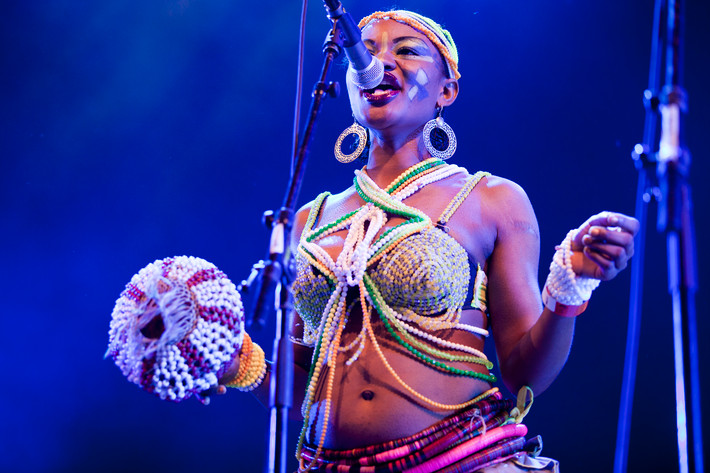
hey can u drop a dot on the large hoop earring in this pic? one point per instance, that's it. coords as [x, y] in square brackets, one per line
[444, 143]
[361, 133]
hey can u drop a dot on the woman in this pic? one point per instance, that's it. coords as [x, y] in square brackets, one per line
[401, 277]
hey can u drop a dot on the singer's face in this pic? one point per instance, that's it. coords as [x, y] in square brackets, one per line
[413, 85]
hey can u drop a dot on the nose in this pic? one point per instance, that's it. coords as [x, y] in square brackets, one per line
[387, 58]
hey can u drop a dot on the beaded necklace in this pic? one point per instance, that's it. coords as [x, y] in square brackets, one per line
[363, 248]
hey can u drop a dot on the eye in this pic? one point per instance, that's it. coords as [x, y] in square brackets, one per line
[407, 51]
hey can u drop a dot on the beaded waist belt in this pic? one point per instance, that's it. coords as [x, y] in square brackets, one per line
[482, 434]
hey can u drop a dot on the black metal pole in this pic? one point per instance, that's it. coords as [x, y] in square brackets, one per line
[281, 386]
[675, 219]
[276, 276]
[644, 161]
[634, 323]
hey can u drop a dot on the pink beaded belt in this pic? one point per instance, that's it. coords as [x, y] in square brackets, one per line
[472, 439]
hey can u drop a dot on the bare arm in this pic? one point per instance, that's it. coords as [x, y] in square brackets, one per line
[532, 343]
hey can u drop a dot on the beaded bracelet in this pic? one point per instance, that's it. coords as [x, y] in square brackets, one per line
[252, 367]
[247, 348]
[565, 293]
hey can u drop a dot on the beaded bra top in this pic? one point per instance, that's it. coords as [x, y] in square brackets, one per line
[426, 272]
[414, 275]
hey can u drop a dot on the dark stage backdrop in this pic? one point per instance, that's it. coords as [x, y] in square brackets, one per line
[133, 131]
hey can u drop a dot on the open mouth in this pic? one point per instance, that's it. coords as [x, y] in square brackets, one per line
[386, 90]
[381, 89]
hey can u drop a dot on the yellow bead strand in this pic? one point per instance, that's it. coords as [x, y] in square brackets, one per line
[412, 391]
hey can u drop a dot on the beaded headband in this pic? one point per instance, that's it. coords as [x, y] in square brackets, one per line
[440, 37]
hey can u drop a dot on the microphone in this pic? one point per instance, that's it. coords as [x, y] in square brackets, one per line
[366, 71]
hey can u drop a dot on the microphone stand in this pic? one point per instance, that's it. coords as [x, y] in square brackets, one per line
[274, 284]
[672, 191]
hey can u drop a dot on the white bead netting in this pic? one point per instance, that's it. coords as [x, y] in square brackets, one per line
[176, 327]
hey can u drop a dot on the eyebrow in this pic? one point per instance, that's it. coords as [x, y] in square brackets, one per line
[401, 39]
[407, 38]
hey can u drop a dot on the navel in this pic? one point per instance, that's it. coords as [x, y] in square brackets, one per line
[367, 395]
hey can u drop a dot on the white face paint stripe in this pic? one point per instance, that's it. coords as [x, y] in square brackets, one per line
[422, 78]
[421, 58]
[412, 92]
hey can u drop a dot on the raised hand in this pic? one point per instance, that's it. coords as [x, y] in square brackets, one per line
[603, 245]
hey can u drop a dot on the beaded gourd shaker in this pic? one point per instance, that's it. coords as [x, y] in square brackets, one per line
[176, 327]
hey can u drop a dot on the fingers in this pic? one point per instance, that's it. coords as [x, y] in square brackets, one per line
[612, 219]
[204, 396]
[609, 251]
[607, 241]
[610, 259]
[603, 268]
[622, 224]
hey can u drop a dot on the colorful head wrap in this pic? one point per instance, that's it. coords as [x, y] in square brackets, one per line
[440, 37]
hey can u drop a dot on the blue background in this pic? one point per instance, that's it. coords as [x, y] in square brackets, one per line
[133, 131]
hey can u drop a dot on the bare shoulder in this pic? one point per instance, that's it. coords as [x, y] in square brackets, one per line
[331, 202]
[501, 190]
[508, 205]
[299, 223]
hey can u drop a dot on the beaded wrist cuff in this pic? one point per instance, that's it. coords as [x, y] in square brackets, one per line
[563, 286]
[252, 367]
[562, 309]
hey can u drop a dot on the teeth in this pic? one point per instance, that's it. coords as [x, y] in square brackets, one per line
[378, 92]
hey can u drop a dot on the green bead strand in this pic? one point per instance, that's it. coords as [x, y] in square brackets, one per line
[376, 302]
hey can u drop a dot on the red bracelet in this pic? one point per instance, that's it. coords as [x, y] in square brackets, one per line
[561, 309]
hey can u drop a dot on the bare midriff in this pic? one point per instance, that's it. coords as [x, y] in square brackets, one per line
[369, 405]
